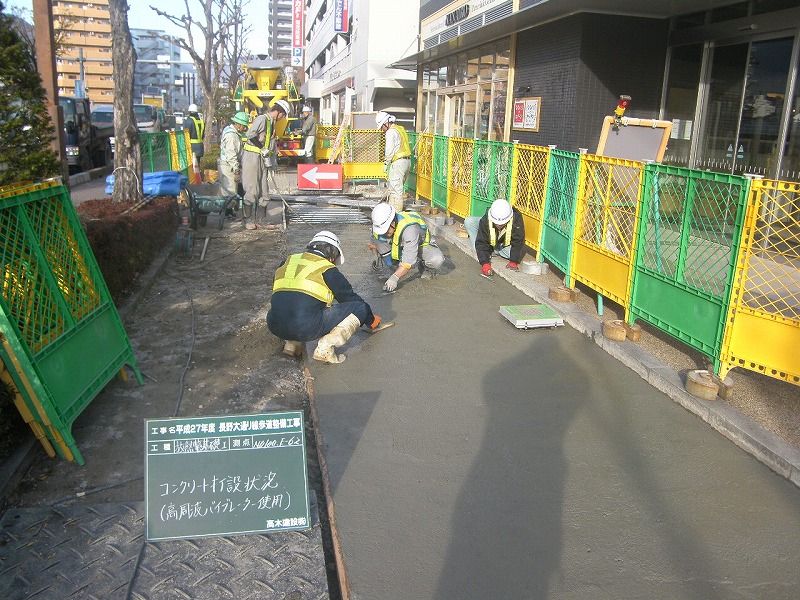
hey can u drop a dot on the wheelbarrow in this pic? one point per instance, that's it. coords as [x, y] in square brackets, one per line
[205, 201]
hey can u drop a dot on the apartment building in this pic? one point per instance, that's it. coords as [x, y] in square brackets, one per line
[348, 47]
[85, 58]
[158, 70]
[279, 30]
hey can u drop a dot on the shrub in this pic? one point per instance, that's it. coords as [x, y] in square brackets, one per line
[210, 158]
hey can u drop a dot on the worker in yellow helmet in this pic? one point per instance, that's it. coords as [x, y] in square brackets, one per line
[302, 304]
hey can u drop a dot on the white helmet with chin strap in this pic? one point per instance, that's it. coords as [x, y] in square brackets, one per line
[329, 239]
[382, 118]
[500, 212]
[382, 217]
[282, 105]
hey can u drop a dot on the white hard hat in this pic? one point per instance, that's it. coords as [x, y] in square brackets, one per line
[193, 107]
[282, 105]
[329, 237]
[381, 118]
[500, 212]
[306, 109]
[382, 217]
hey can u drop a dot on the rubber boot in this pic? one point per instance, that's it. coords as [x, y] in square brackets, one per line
[247, 215]
[293, 348]
[338, 336]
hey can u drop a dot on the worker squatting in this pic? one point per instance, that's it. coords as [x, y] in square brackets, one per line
[312, 299]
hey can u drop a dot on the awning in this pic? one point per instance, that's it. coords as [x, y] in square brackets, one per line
[547, 11]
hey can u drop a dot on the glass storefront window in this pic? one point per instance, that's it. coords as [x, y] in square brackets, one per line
[487, 66]
[499, 110]
[473, 66]
[681, 101]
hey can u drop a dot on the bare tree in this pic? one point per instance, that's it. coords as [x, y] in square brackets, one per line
[61, 29]
[219, 20]
[127, 154]
[234, 51]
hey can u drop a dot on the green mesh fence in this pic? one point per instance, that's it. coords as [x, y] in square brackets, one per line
[689, 234]
[439, 175]
[491, 174]
[62, 336]
[155, 149]
[559, 220]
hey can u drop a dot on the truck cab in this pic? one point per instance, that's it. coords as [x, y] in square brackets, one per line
[147, 120]
[87, 145]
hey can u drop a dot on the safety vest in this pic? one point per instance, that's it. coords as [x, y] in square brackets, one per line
[199, 127]
[267, 129]
[303, 273]
[493, 233]
[404, 219]
[405, 147]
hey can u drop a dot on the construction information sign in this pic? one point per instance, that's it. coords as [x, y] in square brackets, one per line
[225, 475]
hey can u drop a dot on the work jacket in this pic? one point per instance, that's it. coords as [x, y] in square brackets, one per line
[487, 240]
[404, 221]
[403, 149]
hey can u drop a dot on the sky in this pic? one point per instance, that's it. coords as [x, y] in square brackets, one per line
[140, 16]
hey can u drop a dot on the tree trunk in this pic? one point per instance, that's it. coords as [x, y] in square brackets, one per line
[127, 154]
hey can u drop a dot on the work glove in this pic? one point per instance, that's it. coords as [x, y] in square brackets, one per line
[512, 265]
[391, 283]
[486, 270]
[376, 322]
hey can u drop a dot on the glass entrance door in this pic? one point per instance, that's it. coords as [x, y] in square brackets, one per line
[743, 107]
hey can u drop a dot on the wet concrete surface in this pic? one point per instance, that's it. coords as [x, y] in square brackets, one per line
[468, 459]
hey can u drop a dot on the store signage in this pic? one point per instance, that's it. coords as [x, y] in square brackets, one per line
[341, 16]
[455, 13]
[297, 32]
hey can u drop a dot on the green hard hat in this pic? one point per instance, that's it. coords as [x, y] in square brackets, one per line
[240, 118]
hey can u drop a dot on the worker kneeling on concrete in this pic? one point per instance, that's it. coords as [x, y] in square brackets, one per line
[500, 231]
[302, 310]
[402, 240]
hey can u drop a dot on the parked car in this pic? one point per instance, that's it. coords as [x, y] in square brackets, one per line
[103, 118]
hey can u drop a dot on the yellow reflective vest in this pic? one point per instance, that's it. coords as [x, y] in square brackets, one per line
[199, 128]
[404, 219]
[405, 147]
[267, 136]
[507, 237]
[303, 273]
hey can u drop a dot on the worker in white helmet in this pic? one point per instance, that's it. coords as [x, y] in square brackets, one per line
[402, 240]
[259, 156]
[309, 130]
[302, 304]
[397, 157]
[500, 231]
[196, 127]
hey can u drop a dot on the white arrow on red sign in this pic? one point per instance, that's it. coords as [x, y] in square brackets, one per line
[313, 175]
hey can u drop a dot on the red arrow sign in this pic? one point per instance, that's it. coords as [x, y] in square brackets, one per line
[319, 177]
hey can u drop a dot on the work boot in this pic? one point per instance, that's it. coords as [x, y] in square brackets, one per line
[338, 336]
[247, 214]
[293, 348]
[424, 272]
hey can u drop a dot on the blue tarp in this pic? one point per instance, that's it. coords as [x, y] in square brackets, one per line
[160, 183]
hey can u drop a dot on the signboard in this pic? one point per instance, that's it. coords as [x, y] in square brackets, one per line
[455, 13]
[634, 139]
[297, 32]
[319, 177]
[225, 475]
[341, 17]
[526, 113]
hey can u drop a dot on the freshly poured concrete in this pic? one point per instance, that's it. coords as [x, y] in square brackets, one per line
[471, 460]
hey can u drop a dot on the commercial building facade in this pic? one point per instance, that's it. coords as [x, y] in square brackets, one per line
[724, 73]
[348, 47]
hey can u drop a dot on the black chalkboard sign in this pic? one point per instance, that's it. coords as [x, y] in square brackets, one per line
[634, 139]
[225, 475]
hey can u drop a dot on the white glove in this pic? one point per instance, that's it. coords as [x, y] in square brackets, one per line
[391, 283]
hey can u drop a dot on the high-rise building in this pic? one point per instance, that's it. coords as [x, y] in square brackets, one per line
[83, 62]
[157, 68]
[279, 30]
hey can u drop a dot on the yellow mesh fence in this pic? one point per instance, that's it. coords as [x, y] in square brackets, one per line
[529, 188]
[362, 154]
[765, 300]
[326, 136]
[460, 180]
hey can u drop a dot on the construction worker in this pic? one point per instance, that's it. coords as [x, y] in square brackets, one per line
[500, 231]
[258, 157]
[402, 240]
[302, 305]
[230, 154]
[397, 157]
[196, 127]
[309, 130]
